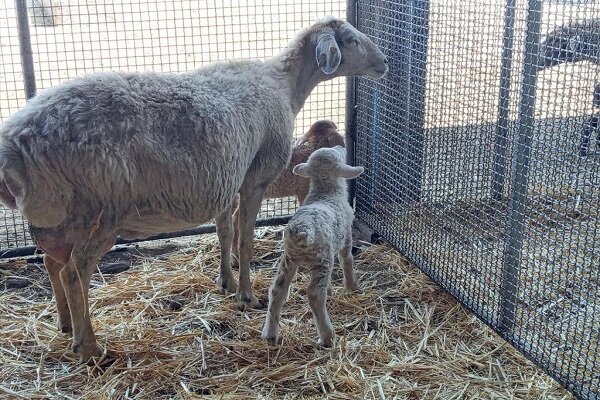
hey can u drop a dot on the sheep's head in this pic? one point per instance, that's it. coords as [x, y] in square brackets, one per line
[323, 133]
[570, 43]
[341, 50]
[328, 163]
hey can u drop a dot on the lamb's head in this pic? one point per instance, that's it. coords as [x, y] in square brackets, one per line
[328, 163]
[341, 50]
[323, 133]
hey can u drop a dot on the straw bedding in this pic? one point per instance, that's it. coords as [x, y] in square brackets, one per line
[170, 334]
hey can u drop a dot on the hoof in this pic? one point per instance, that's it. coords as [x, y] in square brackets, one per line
[88, 352]
[226, 285]
[271, 340]
[248, 301]
[269, 335]
[325, 342]
[66, 329]
[353, 288]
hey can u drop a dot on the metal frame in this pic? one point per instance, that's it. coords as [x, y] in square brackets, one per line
[514, 164]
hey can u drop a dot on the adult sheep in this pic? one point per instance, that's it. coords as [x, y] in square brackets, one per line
[134, 154]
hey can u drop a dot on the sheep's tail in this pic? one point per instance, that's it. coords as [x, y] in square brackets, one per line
[301, 234]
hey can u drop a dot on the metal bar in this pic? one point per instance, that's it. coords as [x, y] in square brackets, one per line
[417, 59]
[500, 144]
[25, 46]
[520, 172]
[203, 229]
[351, 17]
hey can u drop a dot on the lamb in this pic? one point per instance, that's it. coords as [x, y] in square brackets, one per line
[132, 155]
[322, 133]
[321, 227]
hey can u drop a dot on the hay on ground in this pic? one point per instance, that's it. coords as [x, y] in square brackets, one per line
[172, 335]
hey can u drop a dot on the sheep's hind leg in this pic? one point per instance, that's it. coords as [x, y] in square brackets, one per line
[226, 281]
[53, 268]
[286, 271]
[250, 201]
[317, 299]
[75, 278]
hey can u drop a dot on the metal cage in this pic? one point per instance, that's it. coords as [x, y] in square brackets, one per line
[482, 163]
[481, 145]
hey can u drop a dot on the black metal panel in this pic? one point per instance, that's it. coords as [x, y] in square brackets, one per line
[482, 163]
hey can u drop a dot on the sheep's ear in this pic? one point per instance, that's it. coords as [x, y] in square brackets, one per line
[301, 169]
[328, 54]
[348, 172]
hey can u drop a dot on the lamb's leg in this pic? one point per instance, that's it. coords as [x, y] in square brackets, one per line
[53, 268]
[225, 282]
[317, 299]
[347, 262]
[250, 201]
[278, 292]
[75, 278]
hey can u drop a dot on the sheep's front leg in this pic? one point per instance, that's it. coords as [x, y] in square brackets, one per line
[236, 231]
[347, 262]
[226, 281]
[53, 268]
[278, 292]
[75, 278]
[317, 299]
[250, 201]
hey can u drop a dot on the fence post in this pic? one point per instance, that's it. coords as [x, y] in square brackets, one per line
[351, 17]
[520, 172]
[417, 75]
[500, 148]
[25, 48]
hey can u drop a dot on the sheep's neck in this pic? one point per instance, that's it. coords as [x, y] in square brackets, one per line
[305, 79]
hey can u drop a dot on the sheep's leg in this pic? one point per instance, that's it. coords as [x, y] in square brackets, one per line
[278, 292]
[347, 262]
[226, 281]
[317, 299]
[75, 278]
[250, 201]
[236, 232]
[53, 268]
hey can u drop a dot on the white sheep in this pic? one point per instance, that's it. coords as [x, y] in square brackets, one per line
[321, 134]
[135, 154]
[321, 228]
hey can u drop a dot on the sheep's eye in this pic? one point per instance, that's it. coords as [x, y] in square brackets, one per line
[351, 41]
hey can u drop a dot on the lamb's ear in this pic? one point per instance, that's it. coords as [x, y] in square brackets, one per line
[348, 172]
[302, 170]
[328, 53]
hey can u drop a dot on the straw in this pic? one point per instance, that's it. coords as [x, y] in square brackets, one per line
[170, 334]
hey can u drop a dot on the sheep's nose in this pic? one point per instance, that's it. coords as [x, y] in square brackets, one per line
[385, 60]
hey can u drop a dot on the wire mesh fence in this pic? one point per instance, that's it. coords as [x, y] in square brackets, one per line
[483, 164]
[70, 38]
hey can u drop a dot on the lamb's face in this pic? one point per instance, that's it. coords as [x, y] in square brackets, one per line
[341, 50]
